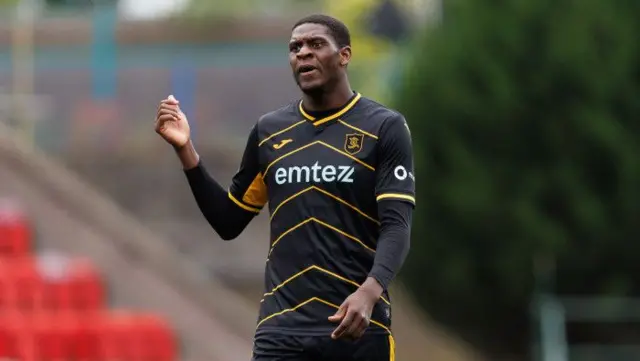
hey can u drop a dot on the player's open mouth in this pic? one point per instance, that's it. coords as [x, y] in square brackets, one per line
[306, 69]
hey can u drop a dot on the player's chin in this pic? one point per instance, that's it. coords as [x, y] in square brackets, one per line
[309, 84]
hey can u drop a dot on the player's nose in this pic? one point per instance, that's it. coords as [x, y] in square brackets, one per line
[304, 52]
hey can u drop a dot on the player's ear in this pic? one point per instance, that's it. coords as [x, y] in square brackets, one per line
[345, 55]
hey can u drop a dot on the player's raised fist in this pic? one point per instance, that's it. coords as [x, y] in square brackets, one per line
[172, 124]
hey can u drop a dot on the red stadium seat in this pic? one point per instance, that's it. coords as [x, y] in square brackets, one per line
[21, 287]
[9, 340]
[51, 335]
[123, 336]
[137, 337]
[86, 340]
[15, 341]
[15, 233]
[48, 336]
[116, 339]
[87, 287]
[6, 291]
[156, 337]
[29, 285]
[52, 308]
[78, 287]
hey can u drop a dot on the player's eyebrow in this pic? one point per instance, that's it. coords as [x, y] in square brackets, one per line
[307, 38]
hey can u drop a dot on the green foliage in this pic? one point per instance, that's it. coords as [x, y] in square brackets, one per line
[525, 116]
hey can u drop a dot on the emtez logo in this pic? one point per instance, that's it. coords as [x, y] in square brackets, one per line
[316, 173]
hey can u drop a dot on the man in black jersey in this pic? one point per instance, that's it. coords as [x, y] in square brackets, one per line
[336, 170]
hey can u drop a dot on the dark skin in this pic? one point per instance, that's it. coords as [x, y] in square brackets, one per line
[320, 69]
[325, 87]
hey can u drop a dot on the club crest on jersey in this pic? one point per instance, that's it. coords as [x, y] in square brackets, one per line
[353, 143]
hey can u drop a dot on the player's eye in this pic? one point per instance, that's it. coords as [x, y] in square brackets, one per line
[295, 47]
[316, 44]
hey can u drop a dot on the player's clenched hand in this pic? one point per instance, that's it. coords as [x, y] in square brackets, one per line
[171, 123]
[354, 315]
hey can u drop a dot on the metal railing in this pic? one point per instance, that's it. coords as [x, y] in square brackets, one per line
[555, 313]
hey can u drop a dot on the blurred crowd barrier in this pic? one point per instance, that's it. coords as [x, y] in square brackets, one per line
[94, 88]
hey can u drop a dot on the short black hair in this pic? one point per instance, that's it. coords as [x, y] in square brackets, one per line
[337, 29]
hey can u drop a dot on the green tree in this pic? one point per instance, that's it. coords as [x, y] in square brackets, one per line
[526, 120]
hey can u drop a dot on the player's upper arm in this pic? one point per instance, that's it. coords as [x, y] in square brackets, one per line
[395, 178]
[248, 190]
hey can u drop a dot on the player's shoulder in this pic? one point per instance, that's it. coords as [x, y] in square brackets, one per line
[377, 117]
[378, 112]
[278, 120]
[288, 113]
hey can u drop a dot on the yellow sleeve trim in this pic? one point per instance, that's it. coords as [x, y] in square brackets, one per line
[396, 196]
[392, 349]
[243, 206]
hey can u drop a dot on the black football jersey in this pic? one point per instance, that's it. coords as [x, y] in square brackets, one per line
[322, 180]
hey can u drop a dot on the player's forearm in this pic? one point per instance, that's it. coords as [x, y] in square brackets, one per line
[372, 287]
[188, 156]
[222, 214]
[393, 242]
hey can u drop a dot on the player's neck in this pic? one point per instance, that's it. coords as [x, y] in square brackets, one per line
[327, 100]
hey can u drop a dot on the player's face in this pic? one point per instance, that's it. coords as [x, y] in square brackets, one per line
[315, 58]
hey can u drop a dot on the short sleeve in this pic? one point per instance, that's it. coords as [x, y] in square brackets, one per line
[395, 173]
[248, 189]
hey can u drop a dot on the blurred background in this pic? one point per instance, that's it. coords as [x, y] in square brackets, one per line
[525, 116]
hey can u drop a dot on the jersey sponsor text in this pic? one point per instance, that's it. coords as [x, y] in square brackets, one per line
[316, 173]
